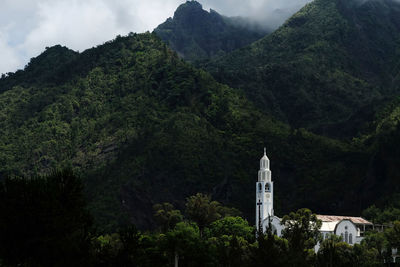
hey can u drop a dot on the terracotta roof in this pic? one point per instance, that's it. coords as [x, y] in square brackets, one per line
[331, 218]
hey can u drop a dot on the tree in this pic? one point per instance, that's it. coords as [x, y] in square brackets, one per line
[231, 226]
[129, 247]
[334, 252]
[185, 245]
[392, 235]
[44, 221]
[229, 240]
[367, 257]
[201, 210]
[106, 249]
[129, 254]
[302, 232]
[229, 250]
[166, 216]
[377, 241]
[270, 249]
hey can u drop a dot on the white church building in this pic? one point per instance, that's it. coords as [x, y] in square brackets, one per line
[351, 229]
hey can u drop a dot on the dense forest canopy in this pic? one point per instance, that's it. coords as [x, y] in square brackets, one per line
[103, 152]
[134, 119]
[141, 126]
[53, 228]
[328, 69]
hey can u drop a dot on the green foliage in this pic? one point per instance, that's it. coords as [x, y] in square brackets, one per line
[129, 247]
[324, 68]
[392, 235]
[231, 226]
[229, 241]
[334, 252]
[133, 119]
[376, 215]
[201, 210]
[302, 232]
[185, 243]
[270, 249]
[166, 216]
[143, 127]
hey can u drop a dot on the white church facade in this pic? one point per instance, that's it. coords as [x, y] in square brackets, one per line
[351, 229]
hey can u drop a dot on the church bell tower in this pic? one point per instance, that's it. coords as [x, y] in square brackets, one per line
[264, 192]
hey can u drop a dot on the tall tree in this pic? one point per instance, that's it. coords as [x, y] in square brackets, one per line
[302, 232]
[44, 221]
[270, 249]
[230, 240]
[334, 252]
[166, 216]
[185, 245]
[201, 210]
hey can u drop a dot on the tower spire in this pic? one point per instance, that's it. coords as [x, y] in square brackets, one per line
[264, 192]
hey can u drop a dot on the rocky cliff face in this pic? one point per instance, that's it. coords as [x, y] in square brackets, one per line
[196, 34]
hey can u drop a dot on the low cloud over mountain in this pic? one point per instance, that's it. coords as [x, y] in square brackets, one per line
[27, 27]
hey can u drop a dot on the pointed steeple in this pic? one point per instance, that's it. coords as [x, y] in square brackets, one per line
[264, 192]
[264, 162]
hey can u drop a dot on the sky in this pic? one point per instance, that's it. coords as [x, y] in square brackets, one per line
[27, 27]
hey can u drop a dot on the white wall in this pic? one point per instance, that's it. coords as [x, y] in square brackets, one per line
[347, 226]
[276, 224]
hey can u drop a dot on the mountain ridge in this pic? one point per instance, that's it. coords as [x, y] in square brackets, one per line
[196, 34]
[142, 126]
[134, 119]
[306, 73]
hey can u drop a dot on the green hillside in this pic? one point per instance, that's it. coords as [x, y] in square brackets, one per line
[197, 35]
[143, 127]
[328, 68]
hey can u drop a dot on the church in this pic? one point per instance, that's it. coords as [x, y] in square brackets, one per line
[351, 229]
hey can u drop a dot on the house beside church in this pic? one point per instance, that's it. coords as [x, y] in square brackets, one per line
[351, 229]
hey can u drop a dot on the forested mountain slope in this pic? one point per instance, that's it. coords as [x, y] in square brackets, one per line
[196, 34]
[328, 68]
[143, 127]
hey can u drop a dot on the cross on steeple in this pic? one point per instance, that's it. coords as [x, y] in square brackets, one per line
[259, 214]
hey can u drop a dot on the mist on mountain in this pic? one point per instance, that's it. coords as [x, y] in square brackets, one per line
[196, 34]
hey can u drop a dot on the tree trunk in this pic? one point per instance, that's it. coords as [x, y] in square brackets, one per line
[176, 259]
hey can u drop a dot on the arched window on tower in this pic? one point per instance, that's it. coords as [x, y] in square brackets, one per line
[350, 238]
[342, 236]
[259, 187]
[346, 237]
[267, 187]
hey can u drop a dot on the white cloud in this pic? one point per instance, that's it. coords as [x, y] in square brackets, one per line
[271, 13]
[29, 26]
[74, 24]
[10, 60]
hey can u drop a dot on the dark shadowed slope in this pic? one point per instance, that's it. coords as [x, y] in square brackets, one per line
[326, 69]
[142, 127]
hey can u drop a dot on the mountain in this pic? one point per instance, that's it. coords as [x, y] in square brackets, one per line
[328, 69]
[141, 127]
[48, 63]
[196, 34]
